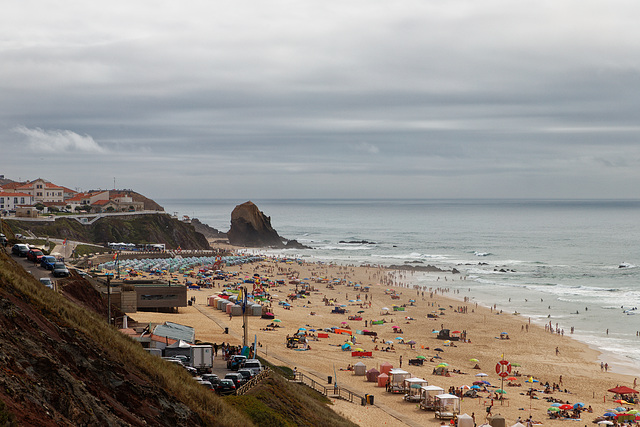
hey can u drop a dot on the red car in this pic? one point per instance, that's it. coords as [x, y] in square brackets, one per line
[35, 255]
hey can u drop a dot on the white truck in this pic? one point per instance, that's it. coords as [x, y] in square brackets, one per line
[201, 357]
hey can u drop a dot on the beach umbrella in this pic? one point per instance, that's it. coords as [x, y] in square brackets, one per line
[501, 391]
[312, 330]
[633, 411]
[517, 365]
[566, 407]
[555, 404]
[609, 414]
[578, 405]
[512, 379]
[441, 308]
[388, 342]
[277, 320]
[621, 409]
[344, 323]
[302, 329]
[482, 374]
[442, 365]
[420, 357]
[435, 332]
[486, 383]
[438, 349]
[553, 409]
[606, 423]
[361, 311]
[464, 387]
[399, 338]
[473, 360]
[476, 387]
[412, 342]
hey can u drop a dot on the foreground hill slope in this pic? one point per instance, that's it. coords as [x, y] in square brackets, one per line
[63, 366]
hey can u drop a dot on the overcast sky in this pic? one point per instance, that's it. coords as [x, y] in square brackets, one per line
[345, 99]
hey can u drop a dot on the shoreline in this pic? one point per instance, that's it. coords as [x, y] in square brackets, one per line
[534, 349]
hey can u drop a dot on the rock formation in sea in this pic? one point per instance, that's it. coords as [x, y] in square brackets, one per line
[251, 227]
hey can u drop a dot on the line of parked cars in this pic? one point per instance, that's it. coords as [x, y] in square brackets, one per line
[244, 368]
[58, 268]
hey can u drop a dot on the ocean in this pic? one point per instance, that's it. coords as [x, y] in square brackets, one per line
[569, 262]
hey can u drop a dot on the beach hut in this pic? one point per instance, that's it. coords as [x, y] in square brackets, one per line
[382, 379]
[359, 369]
[447, 406]
[385, 368]
[372, 375]
[465, 420]
[236, 310]
[427, 396]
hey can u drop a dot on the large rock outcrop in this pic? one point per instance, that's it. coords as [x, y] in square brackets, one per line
[251, 227]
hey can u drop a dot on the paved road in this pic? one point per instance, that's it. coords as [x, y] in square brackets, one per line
[34, 269]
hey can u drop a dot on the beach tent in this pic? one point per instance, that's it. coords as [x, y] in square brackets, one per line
[447, 406]
[427, 393]
[359, 369]
[413, 385]
[386, 367]
[465, 420]
[397, 377]
[622, 390]
[372, 375]
[497, 421]
[382, 380]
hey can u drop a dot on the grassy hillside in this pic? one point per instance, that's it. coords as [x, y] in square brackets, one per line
[62, 365]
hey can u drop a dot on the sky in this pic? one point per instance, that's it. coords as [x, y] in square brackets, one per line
[324, 99]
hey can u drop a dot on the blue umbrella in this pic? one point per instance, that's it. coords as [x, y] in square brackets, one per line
[555, 404]
[476, 387]
[578, 405]
[609, 414]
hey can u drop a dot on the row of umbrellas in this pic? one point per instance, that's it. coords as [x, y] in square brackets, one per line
[173, 265]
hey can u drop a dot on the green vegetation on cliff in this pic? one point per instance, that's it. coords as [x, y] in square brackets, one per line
[139, 229]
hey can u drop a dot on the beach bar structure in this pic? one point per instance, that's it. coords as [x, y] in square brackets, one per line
[447, 406]
[427, 397]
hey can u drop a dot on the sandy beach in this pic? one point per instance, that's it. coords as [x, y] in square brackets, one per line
[540, 354]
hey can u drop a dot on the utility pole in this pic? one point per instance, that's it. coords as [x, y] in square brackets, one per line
[245, 318]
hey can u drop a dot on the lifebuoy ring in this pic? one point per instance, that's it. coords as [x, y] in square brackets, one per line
[503, 368]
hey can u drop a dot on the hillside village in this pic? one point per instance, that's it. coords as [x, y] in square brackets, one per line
[29, 199]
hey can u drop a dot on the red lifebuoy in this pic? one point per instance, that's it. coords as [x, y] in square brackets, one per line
[503, 367]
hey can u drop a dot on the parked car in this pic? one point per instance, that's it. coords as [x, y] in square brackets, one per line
[47, 282]
[48, 262]
[253, 364]
[235, 361]
[237, 378]
[212, 378]
[35, 255]
[3, 240]
[225, 386]
[247, 374]
[204, 383]
[60, 270]
[20, 249]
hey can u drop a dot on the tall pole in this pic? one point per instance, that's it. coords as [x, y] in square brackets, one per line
[245, 318]
[109, 299]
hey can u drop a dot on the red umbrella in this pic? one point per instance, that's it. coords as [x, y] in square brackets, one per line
[512, 379]
[566, 407]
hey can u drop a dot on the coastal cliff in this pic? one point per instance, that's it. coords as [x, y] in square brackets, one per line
[152, 228]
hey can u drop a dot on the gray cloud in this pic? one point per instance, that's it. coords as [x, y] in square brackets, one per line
[357, 99]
